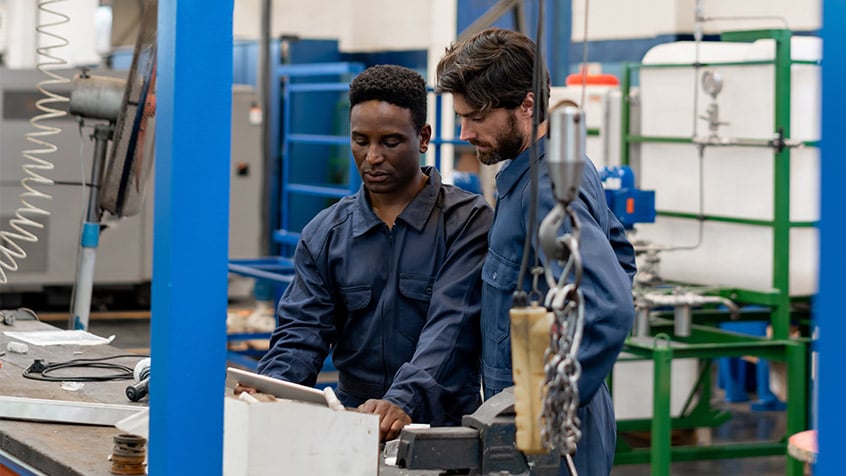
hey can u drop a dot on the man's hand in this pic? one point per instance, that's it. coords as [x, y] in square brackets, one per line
[243, 388]
[391, 417]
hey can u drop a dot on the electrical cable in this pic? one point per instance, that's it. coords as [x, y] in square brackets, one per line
[538, 78]
[40, 370]
[25, 220]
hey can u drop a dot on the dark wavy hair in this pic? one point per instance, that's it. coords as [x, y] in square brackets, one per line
[491, 69]
[393, 84]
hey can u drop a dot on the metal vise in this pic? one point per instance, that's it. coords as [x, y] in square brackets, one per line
[484, 444]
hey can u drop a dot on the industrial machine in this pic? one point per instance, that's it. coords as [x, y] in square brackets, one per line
[628, 203]
[125, 251]
[124, 254]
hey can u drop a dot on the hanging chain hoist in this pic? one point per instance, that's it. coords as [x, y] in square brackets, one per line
[559, 420]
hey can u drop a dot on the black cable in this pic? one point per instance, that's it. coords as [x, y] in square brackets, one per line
[39, 370]
[519, 297]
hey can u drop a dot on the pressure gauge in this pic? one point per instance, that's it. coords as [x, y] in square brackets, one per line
[712, 83]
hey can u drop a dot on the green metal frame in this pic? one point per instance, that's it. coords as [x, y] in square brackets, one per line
[708, 342]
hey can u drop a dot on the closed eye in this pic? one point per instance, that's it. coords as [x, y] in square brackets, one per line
[473, 117]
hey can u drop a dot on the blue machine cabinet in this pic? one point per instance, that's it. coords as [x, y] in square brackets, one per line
[629, 204]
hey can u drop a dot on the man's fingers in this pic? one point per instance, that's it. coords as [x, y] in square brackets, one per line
[241, 388]
[395, 429]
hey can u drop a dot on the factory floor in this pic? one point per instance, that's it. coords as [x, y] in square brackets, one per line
[745, 425]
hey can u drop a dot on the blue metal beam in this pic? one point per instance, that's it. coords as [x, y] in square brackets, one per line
[559, 33]
[190, 237]
[831, 413]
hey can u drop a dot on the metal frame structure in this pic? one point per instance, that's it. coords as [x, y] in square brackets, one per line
[288, 187]
[707, 342]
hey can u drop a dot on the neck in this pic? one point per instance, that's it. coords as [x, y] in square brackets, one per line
[388, 206]
[542, 129]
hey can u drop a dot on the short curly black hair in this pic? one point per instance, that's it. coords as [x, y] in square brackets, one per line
[393, 84]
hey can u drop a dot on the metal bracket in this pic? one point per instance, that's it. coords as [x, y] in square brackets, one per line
[61, 411]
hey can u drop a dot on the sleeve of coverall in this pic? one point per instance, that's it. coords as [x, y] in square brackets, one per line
[606, 282]
[305, 315]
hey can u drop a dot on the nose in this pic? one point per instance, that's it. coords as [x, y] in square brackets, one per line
[467, 132]
[374, 154]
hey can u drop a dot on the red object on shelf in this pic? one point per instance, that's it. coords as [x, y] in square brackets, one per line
[603, 79]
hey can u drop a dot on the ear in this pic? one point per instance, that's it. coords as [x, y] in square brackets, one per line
[527, 105]
[425, 137]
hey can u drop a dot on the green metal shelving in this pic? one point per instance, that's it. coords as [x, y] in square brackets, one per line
[706, 341]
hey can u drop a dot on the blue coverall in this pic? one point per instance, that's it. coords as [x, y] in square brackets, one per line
[399, 307]
[609, 267]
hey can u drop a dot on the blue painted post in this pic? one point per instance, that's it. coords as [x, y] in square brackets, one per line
[559, 32]
[831, 416]
[190, 248]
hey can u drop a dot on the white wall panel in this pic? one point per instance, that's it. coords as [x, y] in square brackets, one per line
[363, 25]
[381, 25]
[799, 14]
[614, 20]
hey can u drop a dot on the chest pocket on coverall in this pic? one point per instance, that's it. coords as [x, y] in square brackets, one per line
[356, 300]
[501, 275]
[417, 291]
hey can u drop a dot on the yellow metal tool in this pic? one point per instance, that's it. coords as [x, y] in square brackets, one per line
[530, 331]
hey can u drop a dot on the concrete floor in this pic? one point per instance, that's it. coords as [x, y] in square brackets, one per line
[745, 425]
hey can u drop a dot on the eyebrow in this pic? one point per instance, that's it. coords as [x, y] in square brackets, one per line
[471, 113]
[392, 135]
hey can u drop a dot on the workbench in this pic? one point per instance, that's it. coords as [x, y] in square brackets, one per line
[58, 449]
[63, 449]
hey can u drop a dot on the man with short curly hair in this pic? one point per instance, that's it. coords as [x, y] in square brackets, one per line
[389, 278]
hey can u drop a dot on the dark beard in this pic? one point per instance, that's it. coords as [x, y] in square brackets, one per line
[510, 146]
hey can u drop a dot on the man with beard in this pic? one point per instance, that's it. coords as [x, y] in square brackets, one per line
[490, 79]
[389, 278]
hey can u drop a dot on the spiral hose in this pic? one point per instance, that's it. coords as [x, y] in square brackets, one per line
[36, 163]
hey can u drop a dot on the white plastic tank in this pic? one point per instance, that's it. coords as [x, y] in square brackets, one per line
[602, 113]
[738, 181]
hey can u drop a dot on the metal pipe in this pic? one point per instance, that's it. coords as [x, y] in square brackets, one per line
[264, 78]
[102, 134]
[682, 322]
[641, 326]
[89, 239]
[687, 299]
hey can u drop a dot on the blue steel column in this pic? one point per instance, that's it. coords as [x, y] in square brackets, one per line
[559, 32]
[829, 303]
[190, 237]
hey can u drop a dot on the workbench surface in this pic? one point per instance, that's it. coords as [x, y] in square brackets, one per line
[64, 449]
[59, 449]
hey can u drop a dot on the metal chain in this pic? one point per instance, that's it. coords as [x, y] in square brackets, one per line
[560, 424]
